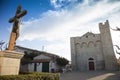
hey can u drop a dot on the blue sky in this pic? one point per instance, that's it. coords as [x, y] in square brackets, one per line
[51, 23]
[34, 8]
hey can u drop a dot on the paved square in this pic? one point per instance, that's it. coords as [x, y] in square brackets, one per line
[91, 75]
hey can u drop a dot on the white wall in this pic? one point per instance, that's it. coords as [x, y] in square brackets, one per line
[31, 67]
[39, 67]
[52, 65]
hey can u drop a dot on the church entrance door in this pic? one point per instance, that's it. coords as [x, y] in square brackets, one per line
[91, 66]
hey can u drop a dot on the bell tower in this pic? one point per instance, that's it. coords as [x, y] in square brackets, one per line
[107, 47]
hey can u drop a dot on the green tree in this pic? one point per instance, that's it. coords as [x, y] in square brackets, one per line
[62, 61]
[28, 57]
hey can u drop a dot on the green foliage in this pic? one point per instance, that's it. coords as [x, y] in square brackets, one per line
[62, 61]
[32, 76]
[31, 55]
[28, 57]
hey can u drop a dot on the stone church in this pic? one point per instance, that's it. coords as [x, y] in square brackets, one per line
[94, 51]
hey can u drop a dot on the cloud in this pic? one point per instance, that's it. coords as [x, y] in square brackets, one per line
[54, 3]
[59, 49]
[73, 20]
[57, 4]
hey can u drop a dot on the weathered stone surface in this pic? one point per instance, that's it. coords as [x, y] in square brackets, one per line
[12, 41]
[93, 51]
[10, 62]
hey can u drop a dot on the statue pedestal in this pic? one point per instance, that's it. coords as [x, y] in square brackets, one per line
[10, 62]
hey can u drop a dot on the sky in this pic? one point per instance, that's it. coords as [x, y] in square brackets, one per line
[49, 24]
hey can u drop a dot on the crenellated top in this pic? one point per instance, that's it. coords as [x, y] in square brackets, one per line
[106, 24]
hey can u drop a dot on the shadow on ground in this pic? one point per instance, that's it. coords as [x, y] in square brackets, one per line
[116, 76]
[91, 75]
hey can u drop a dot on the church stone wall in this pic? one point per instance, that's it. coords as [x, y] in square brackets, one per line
[73, 54]
[88, 46]
[109, 56]
[93, 46]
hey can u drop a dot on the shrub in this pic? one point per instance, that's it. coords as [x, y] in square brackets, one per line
[32, 76]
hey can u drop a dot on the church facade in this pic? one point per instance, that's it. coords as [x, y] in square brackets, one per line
[93, 51]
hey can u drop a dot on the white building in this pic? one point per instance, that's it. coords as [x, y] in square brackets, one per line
[45, 62]
[94, 51]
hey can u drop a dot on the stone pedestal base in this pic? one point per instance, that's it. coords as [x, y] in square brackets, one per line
[10, 62]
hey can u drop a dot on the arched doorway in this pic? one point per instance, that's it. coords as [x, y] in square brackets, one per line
[91, 64]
